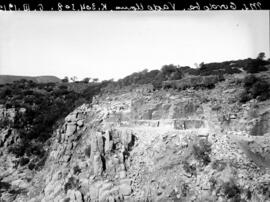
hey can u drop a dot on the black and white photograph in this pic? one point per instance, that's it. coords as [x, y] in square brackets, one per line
[143, 106]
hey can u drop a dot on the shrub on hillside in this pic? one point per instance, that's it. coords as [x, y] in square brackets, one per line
[86, 80]
[17, 149]
[191, 169]
[245, 97]
[260, 90]
[157, 81]
[23, 161]
[65, 79]
[35, 149]
[230, 67]
[5, 92]
[154, 77]
[76, 170]
[254, 88]
[249, 80]
[231, 191]
[216, 69]
[202, 151]
[255, 66]
[31, 166]
[171, 72]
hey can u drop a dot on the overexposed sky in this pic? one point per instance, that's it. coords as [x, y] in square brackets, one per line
[109, 45]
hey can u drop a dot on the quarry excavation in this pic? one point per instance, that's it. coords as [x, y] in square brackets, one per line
[192, 143]
[135, 106]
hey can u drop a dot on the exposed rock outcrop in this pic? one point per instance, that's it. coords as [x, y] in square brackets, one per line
[192, 145]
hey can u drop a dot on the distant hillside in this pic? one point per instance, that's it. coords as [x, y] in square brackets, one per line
[39, 79]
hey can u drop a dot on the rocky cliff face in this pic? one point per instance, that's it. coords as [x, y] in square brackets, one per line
[190, 145]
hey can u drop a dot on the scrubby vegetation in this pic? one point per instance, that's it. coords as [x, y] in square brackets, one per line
[231, 191]
[43, 104]
[38, 107]
[255, 88]
[257, 65]
[191, 169]
[217, 69]
[23, 161]
[176, 72]
[202, 151]
[76, 170]
[155, 77]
